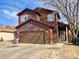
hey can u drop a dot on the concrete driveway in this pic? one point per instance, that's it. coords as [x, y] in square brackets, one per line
[37, 51]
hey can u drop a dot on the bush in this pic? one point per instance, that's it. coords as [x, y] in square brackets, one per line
[1, 39]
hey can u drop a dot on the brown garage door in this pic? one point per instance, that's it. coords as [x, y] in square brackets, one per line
[33, 37]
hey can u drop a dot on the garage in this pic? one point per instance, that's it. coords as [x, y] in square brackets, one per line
[35, 37]
[33, 32]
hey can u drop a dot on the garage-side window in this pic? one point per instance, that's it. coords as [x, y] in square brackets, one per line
[50, 17]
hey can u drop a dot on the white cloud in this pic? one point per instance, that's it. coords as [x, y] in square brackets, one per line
[11, 14]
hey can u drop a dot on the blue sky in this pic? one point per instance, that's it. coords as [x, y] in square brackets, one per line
[9, 9]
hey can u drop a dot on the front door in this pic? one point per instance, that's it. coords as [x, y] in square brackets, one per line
[62, 36]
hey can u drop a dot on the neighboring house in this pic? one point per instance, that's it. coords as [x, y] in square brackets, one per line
[41, 26]
[7, 33]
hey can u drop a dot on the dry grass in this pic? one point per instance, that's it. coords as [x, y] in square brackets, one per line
[4, 44]
[70, 52]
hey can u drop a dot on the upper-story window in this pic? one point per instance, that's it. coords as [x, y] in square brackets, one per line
[50, 17]
[24, 18]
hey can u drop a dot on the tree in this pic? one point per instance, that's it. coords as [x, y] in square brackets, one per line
[70, 9]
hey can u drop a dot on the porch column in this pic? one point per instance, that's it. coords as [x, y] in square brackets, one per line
[50, 36]
[66, 34]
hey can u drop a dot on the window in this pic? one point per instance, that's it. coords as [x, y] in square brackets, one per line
[50, 17]
[62, 36]
[24, 18]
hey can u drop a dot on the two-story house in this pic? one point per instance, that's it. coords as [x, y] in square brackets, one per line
[40, 26]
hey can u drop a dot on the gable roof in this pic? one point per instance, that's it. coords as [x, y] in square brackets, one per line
[37, 22]
[40, 9]
[45, 25]
[37, 11]
[47, 11]
[7, 29]
[25, 10]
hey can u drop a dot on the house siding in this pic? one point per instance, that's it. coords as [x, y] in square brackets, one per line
[31, 15]
[7, 36]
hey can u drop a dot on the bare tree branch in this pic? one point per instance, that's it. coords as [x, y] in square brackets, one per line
[70, 9]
